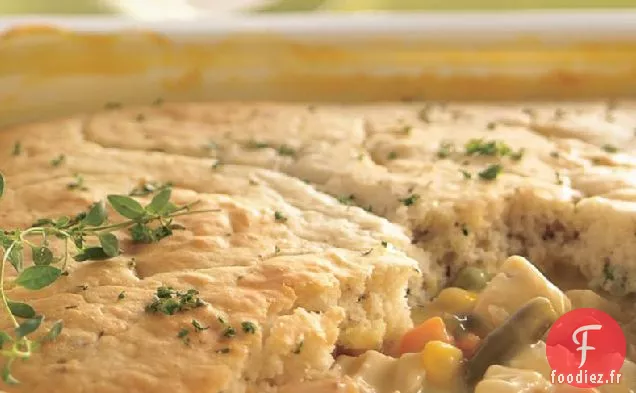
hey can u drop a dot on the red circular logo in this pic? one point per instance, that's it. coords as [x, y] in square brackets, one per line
[586, 348]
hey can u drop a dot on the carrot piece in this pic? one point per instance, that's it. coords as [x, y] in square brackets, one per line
[468, 343]
[433, 329]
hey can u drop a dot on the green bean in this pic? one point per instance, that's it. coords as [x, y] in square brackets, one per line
[524, 327]
[471, 279]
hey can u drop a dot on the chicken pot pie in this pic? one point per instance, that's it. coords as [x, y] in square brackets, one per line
[234, 247]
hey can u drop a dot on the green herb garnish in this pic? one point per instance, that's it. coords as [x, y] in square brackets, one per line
[392, 155]
[57, 161]
[183, 335]
[257, 145]
[229, 332]
[346, 199]
[287, 151]
[465, 230]
[77, 184]
[122, 295]
[467, 175]
[491, 172]
[279, 216]
[94, 238]
[248, 327]
[609, 148]
[491, 126]
[445, 149]
[197, 326]
[17, 148]
[410, 200]
[147, 188]
[384, 243]
[406, 130]
[169, 301]
[487, 148]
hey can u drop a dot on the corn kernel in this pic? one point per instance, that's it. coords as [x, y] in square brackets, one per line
[456, 300]
[442, 363]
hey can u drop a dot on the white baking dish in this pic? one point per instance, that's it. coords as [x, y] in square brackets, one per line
[64, 65]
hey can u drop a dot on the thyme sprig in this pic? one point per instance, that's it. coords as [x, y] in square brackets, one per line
[93, 237]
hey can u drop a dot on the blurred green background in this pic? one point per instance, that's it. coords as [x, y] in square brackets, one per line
[103, 6]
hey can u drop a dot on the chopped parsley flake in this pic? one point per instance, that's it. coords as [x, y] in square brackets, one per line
[59, 160]
[276, 249]
[257, 145]
[465, 230]
[559, 180]
[384, 243]
[287, 151]
[17, 148]
[406, 130]
[346, 199]
[183, 335]
[491, 172]
[122, 295]
[467, 175]
[279, 216]
[229, 332]
[609, 148]
[392, 155]
[168, 301]
[77, 184]
[217, 164]
[491, 126]
[487, 148]
[554, 154]
[198, 327]
[248, 327]
[445, 149]
[148, 188]
[410, 200]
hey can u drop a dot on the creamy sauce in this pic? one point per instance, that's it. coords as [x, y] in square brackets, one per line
[527, 372]
[385, 374]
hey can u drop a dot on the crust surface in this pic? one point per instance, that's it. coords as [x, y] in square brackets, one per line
[336, 272]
